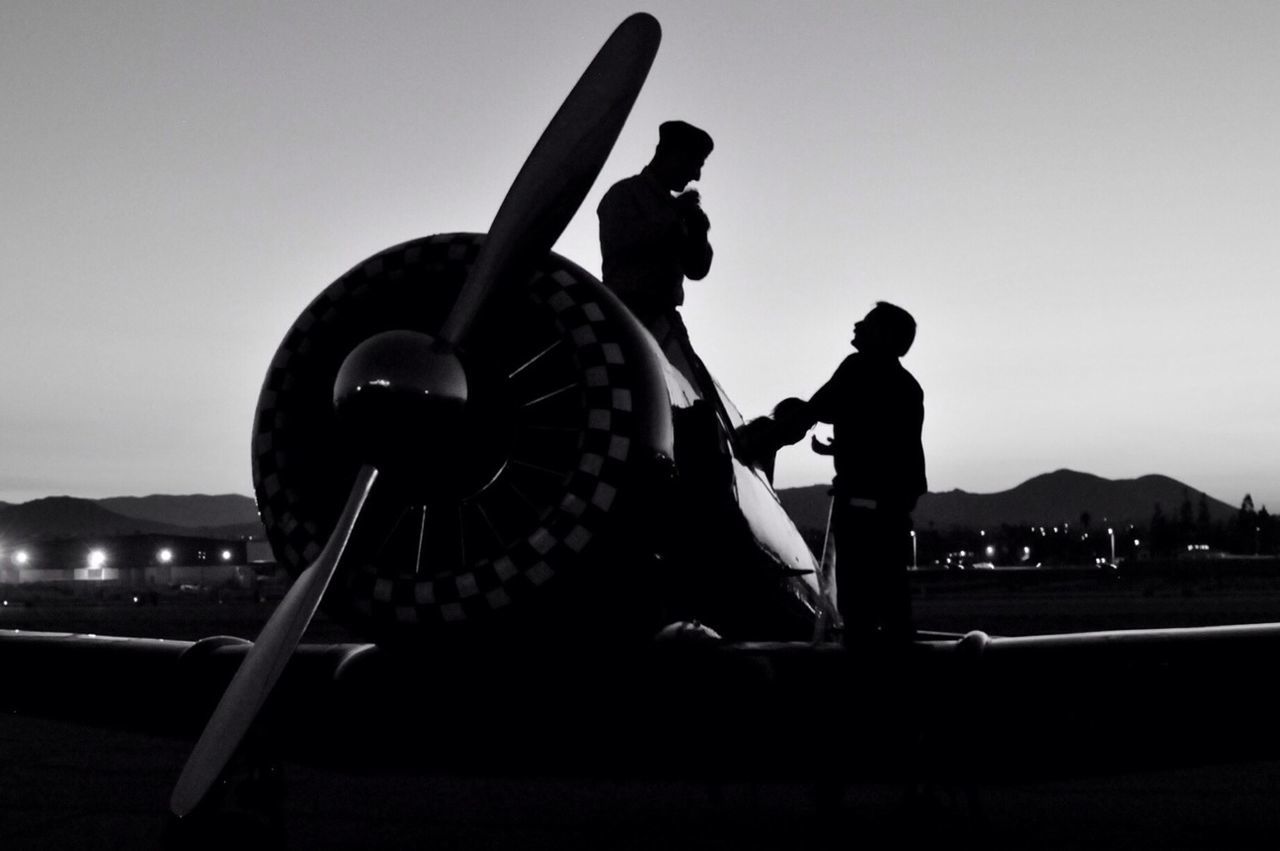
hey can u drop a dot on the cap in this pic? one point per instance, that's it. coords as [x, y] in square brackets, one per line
[681, 134]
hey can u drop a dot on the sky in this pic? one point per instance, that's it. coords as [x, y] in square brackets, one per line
[1079, 202]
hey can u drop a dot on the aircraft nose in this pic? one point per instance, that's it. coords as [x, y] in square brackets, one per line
[400, 395]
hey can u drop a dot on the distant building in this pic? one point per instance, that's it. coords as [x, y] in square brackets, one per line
[133, 560]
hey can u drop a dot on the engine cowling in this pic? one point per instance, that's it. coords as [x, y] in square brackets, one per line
[567, 435]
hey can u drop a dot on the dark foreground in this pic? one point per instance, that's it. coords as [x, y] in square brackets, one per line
[69, 786]
[72, 785]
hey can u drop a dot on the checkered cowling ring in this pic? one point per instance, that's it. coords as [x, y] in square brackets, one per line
[564, 359]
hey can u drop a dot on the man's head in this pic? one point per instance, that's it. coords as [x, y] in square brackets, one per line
[682, 149]
[886, 330]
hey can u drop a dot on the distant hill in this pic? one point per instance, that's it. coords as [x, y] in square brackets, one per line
[1061, 496]
[233, 531]
[1057, 497]
[71, 517]
[195, 510]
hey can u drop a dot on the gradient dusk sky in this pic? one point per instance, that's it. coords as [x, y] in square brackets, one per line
[1079, 201]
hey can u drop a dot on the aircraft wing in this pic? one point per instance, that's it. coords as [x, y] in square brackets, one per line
[969, 708]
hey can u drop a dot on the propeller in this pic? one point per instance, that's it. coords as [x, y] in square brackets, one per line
[265, 661]
[373, 389]
[560, 168]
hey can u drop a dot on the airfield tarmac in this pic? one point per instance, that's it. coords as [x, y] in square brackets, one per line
[75, 786]
[68, 786]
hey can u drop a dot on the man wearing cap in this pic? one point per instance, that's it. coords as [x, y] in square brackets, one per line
[653, 235]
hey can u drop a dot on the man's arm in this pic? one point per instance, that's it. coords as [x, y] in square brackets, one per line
[824, 405]
[695, 251]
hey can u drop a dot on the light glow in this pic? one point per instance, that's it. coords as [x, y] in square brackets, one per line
[226, 555]
[165, 556]
[21, 557]
[97, 558]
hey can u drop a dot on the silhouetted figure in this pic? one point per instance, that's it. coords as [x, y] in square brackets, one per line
[653, 235]
[877, 410]
[760, 439]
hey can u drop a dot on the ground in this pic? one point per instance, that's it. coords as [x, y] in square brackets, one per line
[70, 786]
[76, 786]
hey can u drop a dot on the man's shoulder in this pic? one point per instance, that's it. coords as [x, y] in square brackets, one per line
[634, 183]
[859, 366]
[625, 191]
[854, 363]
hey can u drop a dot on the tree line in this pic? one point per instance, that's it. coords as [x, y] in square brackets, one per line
[1186, 531]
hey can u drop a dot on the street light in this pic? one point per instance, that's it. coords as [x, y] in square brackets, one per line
[913, 549]
[1112, 535]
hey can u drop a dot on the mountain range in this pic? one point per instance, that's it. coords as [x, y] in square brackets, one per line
[1051, 498]
[229, 516]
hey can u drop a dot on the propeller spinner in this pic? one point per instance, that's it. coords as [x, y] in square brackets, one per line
[402, 399]
[547, 191]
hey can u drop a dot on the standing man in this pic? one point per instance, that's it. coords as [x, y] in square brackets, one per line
[877, 409]
[653, 235]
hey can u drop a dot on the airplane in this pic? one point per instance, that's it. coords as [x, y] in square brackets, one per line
[470, 451]
[481, 447]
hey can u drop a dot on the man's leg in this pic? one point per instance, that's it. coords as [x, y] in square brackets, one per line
[874, 591]
[853, 597]
[892, 585]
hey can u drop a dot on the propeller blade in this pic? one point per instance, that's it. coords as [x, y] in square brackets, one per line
[265, 661]
[562, 166]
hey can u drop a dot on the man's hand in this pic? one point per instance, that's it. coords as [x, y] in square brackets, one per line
[691, 214]
[689, 198]
[822, 447]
